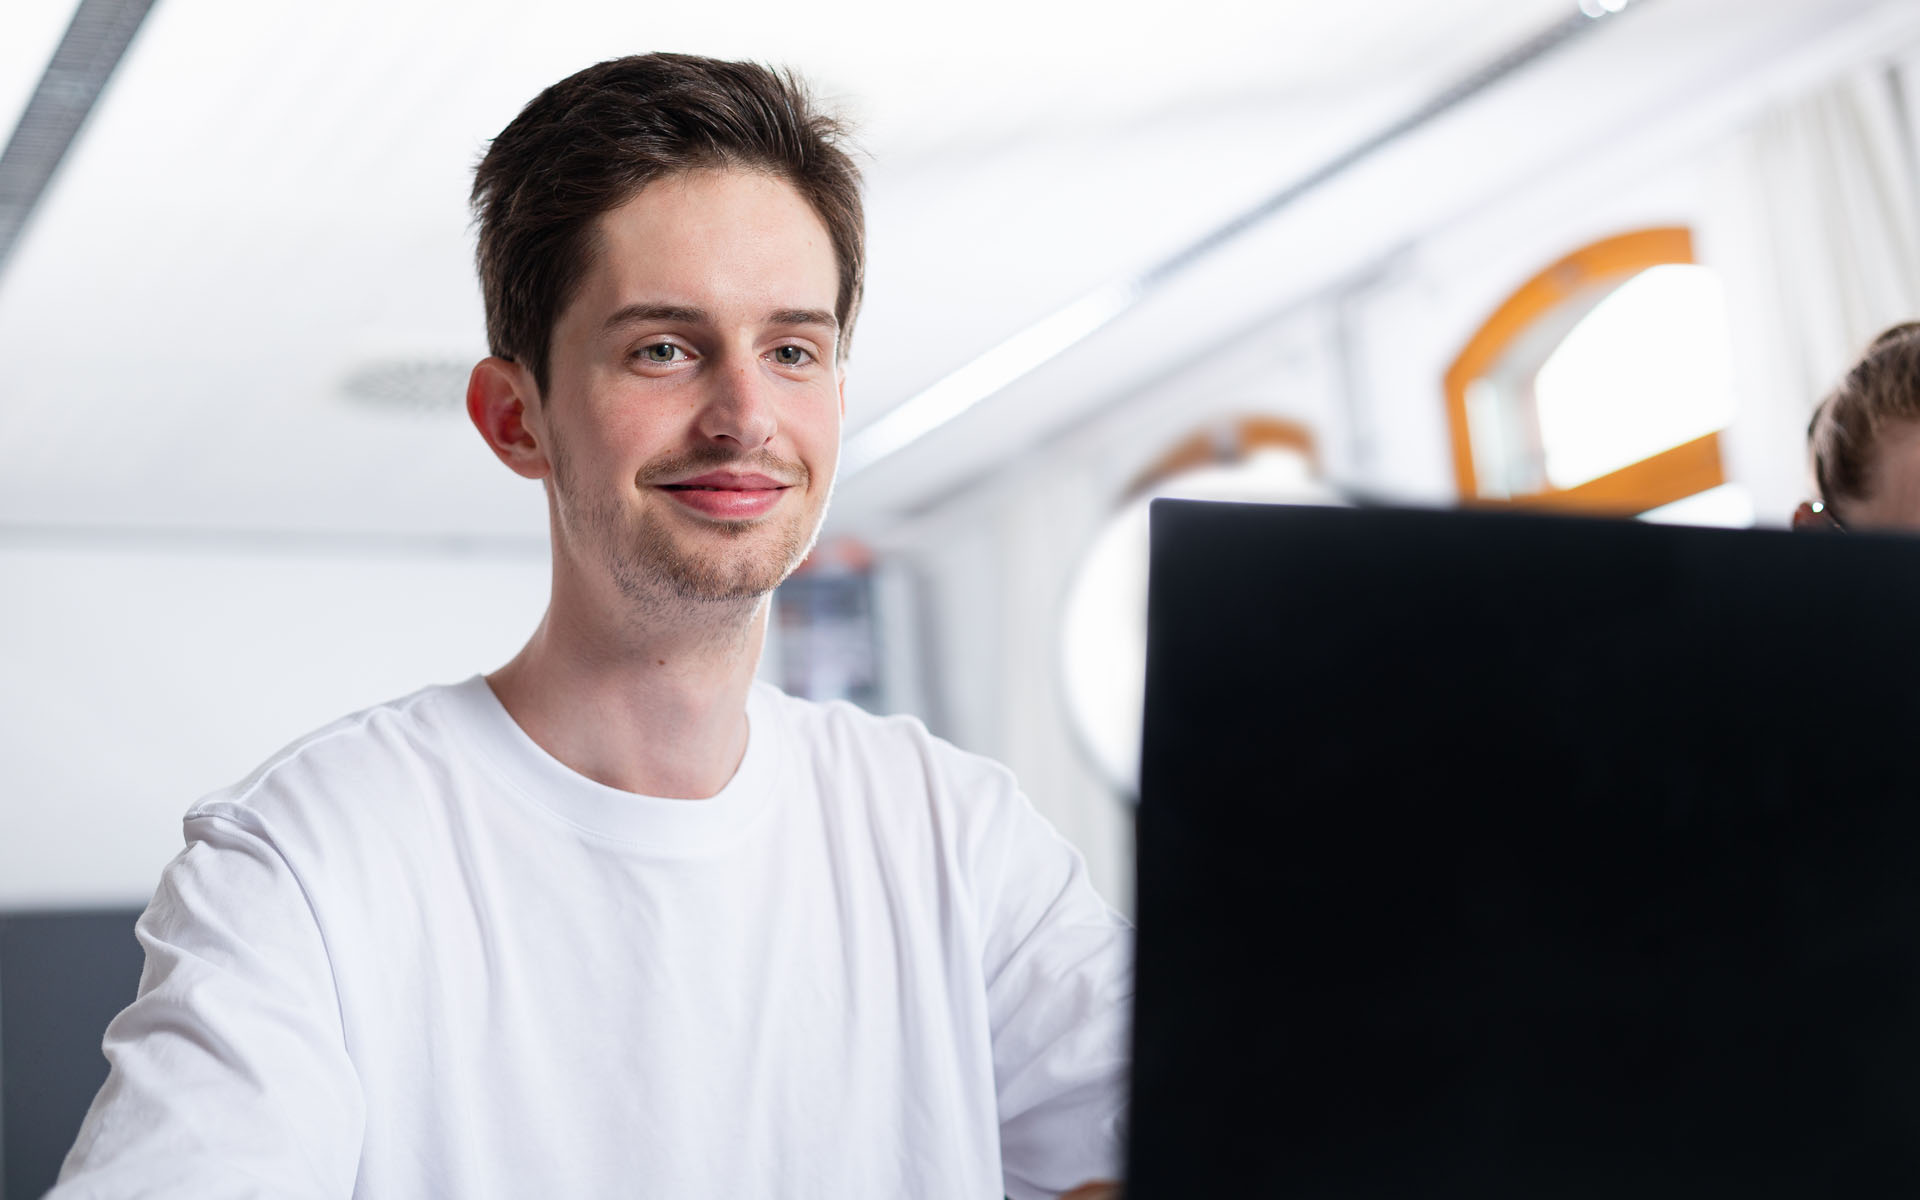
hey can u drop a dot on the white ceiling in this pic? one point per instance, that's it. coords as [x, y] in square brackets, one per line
[271, 196]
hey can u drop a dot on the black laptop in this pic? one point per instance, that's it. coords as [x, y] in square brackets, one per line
[1498, 856]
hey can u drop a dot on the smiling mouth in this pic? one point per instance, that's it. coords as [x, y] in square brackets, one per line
[728, 498]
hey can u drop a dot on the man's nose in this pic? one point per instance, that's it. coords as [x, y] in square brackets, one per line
[740, 408]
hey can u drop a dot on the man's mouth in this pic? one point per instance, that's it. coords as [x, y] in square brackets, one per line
[726, 495]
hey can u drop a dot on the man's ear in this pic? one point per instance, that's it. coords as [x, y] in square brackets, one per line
[503, 404]
[843, 393]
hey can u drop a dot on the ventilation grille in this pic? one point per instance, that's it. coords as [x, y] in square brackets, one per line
[425, 386]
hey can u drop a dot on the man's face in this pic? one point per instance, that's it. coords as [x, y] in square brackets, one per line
[692, 412]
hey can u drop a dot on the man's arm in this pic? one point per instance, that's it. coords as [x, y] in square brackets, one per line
[229, 1071]
[1058, 965]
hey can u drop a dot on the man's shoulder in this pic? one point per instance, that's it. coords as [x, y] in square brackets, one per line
[830, 725]
[361, 753]
[839, 741]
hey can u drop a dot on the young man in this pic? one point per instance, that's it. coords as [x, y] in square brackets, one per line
[615, 919]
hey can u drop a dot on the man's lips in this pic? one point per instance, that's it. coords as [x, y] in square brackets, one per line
[728, 481]
[726, 495]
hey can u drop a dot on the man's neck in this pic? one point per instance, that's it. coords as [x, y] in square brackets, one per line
[659, 710]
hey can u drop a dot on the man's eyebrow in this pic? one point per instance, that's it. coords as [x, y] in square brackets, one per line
[679, 314]
[682, 314]
[805, 316]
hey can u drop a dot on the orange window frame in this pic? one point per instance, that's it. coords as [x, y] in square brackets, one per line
[1662, 478]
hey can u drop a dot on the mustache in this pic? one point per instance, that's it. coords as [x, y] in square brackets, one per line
[712, 458]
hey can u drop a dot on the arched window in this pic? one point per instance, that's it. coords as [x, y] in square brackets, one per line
[1602, 384]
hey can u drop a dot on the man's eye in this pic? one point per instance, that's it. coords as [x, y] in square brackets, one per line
[662, 352]
[791, 356]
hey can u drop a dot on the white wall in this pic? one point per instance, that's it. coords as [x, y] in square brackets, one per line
[135, 678]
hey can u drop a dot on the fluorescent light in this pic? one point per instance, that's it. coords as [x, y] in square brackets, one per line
[925, 411]
[94, 43]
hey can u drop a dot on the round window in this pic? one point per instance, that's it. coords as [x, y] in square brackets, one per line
[1104, 641]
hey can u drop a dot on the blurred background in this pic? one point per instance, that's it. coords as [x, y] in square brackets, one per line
[1599, 255]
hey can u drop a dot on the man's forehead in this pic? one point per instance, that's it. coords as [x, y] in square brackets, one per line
[710, 239]
[723, 205]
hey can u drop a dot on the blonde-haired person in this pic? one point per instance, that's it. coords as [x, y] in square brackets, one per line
[1865, 442]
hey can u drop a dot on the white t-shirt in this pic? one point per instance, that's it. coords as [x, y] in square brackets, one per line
[414, 955]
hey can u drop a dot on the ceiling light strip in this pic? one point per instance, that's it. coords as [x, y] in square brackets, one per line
[923, 412]
[96, 40]
[985, 375]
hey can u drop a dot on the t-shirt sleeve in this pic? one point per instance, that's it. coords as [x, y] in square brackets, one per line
[1059, 975]
[229, 1072]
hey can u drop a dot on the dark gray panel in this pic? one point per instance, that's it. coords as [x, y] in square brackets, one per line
[63, 976]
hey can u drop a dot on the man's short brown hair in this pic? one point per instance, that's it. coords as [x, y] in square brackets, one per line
[589, 143]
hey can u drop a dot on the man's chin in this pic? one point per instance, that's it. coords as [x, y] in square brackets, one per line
[711, 562]
[704, 590]
[715, 578]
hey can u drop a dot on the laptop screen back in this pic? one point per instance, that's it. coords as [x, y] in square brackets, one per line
[1492, 856]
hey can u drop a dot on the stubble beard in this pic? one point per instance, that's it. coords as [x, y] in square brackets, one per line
[652, 569]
